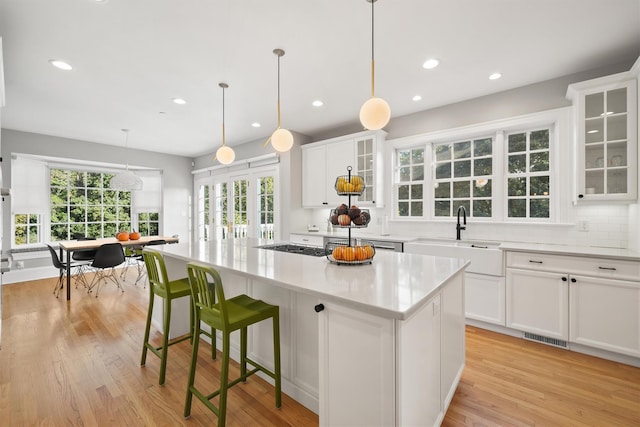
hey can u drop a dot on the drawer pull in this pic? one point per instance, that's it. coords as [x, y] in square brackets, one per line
[573, 280]
[479, 246]
[535, 262]
[564, 279]
[607, 268]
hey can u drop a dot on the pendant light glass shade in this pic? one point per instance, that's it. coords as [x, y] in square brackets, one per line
[126, 181]
[281, 139]
[224, 154]
[375, 113]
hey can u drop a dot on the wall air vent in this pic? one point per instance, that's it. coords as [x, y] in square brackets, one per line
[545, 340]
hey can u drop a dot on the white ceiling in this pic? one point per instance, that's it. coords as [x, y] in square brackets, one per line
[131, 57]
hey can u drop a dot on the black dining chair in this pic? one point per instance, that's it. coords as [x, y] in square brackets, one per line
[62, 269]
[84, 255]
[108, 257]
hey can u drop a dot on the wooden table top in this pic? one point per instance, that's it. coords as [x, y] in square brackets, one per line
[74, 245]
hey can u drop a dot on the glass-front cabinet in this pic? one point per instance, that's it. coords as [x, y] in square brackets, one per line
[606, 127]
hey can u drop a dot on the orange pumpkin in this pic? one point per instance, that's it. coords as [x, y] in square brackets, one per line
[338, 253]
[360, 253]
[369, 251]
[123, 236]
[349, 254]
[134, 235]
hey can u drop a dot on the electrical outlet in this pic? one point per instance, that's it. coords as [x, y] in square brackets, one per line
[583, 226]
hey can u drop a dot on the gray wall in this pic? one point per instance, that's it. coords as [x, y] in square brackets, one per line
[533, 98]
[176, 172]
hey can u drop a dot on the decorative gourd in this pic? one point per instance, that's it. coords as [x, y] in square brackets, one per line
[122, 236]
[134, 235]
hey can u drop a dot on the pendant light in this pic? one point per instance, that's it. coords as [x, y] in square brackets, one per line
[224, 155]
[126, 181]
[375, 112]
[281, 139]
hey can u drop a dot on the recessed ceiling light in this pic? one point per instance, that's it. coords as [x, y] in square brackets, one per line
[317, 103]
[417, 98]
[255, 124]
[179, 101]
[60, 64]
[100, 1]
[430, 63]
[495, 76]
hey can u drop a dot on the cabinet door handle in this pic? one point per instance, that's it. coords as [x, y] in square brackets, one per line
[480, 246]
[318, 308]
[573, 280]
[325, 203]
[564, 279]
[535, 262]
[580, 196]
[607, 268]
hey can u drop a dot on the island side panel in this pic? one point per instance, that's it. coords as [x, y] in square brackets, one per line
[453, 336]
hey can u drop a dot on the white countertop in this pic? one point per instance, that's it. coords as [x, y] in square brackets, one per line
[589, 251]
[394, 285]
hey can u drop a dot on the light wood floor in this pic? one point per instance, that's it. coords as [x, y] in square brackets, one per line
[77, 363]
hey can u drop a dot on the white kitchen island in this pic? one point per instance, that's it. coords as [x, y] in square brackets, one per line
[379, 344]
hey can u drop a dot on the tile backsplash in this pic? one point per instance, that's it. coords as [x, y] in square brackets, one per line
[591, 225]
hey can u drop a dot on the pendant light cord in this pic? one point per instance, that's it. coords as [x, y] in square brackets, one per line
[278, 91]
[223, 139]
[126, 147]
[372, 51]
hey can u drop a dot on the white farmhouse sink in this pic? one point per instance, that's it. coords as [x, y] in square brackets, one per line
[485, 257]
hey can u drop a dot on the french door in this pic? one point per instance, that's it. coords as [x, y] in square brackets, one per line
[235, 205]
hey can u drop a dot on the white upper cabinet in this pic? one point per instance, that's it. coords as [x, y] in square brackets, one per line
[324, 161]
[606, 137]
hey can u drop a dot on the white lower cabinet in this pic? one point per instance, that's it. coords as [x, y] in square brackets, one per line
[605, 314]
[485, 298]
[357, 360]
[593, 302]
[538, 302]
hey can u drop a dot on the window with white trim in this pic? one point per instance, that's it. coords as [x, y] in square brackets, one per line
[27, 229]
[499, 171]
[528, 174]
[410, 182]
[463, 176]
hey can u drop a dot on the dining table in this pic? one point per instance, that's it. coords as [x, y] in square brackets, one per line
[70, 246]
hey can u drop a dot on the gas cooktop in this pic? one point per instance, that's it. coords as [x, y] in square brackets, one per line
[295, 249]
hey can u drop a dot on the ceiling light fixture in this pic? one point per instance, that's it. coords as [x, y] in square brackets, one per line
[430, 64]
[179, 101]
[375, 112]
[317, 103]
[225, 155]
[281, 139]
[495, 76]
[126, 181]
[417, 98]
[256, 125]
[62, 65]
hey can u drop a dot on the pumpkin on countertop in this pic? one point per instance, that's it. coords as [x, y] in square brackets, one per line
[134, 235]
[122, 236]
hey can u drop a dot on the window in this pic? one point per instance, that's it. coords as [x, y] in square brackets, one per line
[499, 171]
[410, 178]
[149, 223]
[528, 174]
[240, 207]
[266, 207]
[27, 229]
[83, 204]
[203, 212]
[463, 177]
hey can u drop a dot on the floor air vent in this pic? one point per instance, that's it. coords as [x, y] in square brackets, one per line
[545, 340]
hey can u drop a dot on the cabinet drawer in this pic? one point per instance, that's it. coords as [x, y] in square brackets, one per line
[595, 267]
[305, 239]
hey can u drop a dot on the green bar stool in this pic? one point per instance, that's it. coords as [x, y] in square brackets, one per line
[168, 290]
[227, 315]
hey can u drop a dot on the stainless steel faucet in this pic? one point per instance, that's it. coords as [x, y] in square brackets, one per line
[464, 219]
